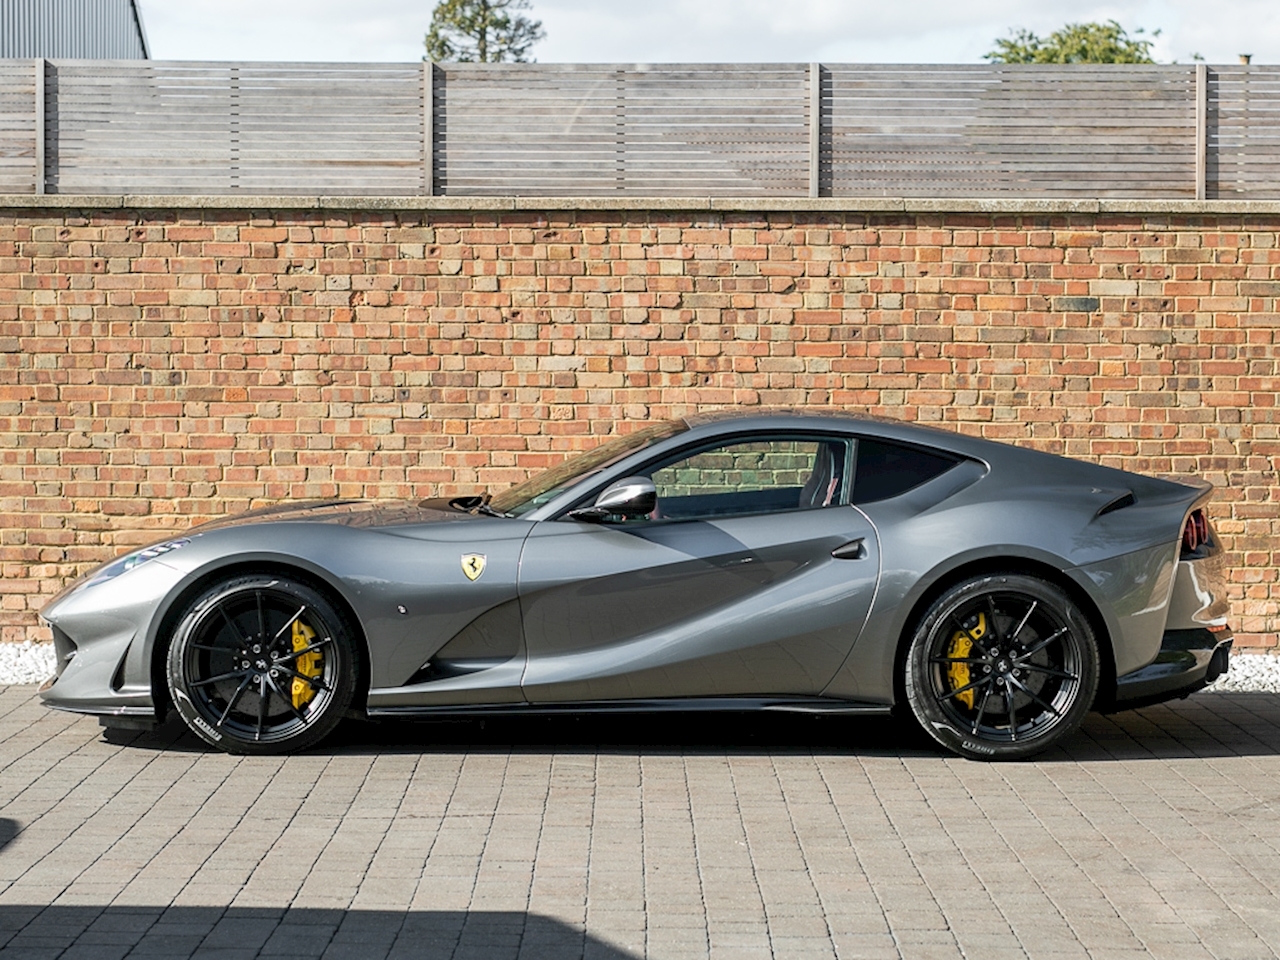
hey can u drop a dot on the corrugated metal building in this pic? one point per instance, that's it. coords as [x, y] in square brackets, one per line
[72, 29]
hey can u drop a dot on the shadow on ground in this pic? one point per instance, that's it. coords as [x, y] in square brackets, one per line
[38, 931]
[1206, 725]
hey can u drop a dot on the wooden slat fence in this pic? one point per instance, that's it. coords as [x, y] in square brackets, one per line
[673, 131]
[1244, 132]
[615, 130]
[18, 126]
[124, 126]
[991, 131]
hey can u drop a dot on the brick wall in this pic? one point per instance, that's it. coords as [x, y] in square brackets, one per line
[764, 465]
[159, 367]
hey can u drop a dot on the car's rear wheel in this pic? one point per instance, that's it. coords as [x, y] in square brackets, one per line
[1001, 667]
[262, 664]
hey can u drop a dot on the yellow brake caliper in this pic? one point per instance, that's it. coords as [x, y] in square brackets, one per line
[308, 664]
[961, 645]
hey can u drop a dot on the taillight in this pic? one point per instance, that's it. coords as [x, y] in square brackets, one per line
[1196, 532]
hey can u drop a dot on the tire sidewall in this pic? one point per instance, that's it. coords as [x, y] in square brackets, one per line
[940, 726]
[318, 726]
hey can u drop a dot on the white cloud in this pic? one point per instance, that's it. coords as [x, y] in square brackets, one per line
[626, 31]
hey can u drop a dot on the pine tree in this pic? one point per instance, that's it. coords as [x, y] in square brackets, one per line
[481, 31]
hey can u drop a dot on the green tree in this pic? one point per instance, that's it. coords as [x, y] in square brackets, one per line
[481, 31]
[1076, 43]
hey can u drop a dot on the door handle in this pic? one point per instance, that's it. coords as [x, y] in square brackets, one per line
[853, 550]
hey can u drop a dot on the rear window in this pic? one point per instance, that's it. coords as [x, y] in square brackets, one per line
[887, 469]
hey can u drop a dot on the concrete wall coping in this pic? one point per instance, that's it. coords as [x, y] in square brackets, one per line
[909, 205]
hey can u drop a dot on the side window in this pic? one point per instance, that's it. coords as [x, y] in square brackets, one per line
[886, 469]
[755, 476]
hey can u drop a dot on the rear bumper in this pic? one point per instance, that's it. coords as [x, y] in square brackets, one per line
[1189, 660]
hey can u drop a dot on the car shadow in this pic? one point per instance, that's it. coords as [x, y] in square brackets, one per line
[1206, 725]
[31, 930]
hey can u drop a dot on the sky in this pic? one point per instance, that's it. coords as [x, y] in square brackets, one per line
[657, 31]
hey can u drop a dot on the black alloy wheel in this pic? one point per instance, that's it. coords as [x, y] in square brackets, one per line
[1002, 667]
[262, 665]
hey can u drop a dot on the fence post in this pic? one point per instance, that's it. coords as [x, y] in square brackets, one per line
[815, 129]
[1202, 131]
[428, 127]
[39, 131]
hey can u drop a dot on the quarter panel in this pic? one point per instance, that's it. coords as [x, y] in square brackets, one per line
[1123, 560]
[933, 531]
[1135, 588]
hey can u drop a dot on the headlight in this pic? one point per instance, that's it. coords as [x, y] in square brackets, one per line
[129, 561]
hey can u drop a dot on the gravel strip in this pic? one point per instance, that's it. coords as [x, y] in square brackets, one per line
[29, 662]
[25, 662]
[1250, 673]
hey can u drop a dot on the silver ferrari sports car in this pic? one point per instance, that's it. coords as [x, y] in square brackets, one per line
[800, 562]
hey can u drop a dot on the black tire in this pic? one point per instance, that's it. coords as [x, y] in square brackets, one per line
[1001, 667]
[238, 677]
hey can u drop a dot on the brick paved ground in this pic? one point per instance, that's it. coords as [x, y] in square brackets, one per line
[1150, 834]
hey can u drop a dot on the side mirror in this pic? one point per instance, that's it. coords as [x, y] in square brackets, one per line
[628, 497]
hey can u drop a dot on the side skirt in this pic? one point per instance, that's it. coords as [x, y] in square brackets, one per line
[810, 705]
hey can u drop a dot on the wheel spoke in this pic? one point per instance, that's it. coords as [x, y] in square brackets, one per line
[1061, 675]
[223, 676]
[965, 689]
[310, 648]
[1023, 687]
[991, 612]
[244, 685]
[211, 649]
[263, 697]
[222, 609]
[288, 701]
[1013, 714]
[1020, 661]
[262, 616]
[289, 623]
[972, 661]
[1013, 637]
[314, 681]
[982, 710]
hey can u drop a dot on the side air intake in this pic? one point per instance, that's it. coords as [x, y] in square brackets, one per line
[1125, 499]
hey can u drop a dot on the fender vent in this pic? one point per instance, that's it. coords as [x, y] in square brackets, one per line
[1119, 503]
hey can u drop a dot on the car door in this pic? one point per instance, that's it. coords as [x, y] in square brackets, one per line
[730, 588]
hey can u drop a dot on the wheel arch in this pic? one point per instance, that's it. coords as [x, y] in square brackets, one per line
[177, 603]
[993, 566]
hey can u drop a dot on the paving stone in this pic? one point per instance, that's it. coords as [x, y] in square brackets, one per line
[1149, 834]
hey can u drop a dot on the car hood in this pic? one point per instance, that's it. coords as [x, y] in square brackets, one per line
[348, 513]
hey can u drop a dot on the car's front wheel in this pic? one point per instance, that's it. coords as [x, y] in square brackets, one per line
[262, 664]
[1001, 667]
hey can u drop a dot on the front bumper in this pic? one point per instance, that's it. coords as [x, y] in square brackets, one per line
[100, 638]
[1189, 660]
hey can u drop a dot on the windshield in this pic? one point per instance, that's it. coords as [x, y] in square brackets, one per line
[546, 486]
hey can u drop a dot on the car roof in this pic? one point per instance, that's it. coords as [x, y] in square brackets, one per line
[1006, 458]
[768, 418]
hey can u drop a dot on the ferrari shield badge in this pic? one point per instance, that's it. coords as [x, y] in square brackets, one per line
[473, 565]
